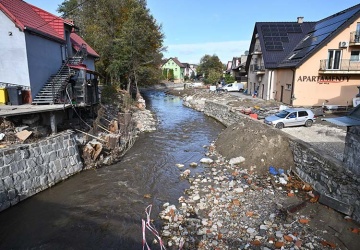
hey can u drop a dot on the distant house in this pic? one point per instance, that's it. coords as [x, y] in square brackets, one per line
[177, 67]
[189, 70]
[40, 53]
[307, 63]
[236, 68]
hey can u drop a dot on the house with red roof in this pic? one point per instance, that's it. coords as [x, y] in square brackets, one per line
[177, 67]
[42, 54]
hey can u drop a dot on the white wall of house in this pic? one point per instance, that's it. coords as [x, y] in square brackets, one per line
[44, 59]
[13, 60]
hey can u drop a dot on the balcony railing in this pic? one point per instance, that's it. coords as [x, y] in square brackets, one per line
[355, 37]
[257, 50]
[257, 67]
[342, 66]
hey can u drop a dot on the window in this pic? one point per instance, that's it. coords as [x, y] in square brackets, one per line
[292, 115]
[355, 56]
[334, 57]
[175, 69]
[303, 113]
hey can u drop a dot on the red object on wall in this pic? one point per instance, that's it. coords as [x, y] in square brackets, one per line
[26, 96]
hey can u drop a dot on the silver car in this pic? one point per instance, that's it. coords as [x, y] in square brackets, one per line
[291, 117]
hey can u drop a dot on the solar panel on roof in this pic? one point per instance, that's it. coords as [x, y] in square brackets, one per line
[322, 30]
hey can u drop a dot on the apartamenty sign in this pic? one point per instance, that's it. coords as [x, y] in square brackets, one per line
[324, 79]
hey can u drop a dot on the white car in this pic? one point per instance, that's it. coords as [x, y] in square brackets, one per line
[233, 87]
[291, 117]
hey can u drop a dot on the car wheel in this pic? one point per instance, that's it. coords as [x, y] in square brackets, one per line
[279, 125]
[308, 123]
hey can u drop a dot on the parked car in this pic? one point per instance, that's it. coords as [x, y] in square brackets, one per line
[233, 87]
[291, 117]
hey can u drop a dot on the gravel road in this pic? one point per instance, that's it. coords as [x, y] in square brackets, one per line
[328, 138]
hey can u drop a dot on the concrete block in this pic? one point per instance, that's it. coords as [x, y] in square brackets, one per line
[14, 201]
[336, 204]
[27, 185]
[60, 153]
[4, 205]
[21, 165]
[58, 166]
[39, 160]
[31, 163]
[11, 194]
[8, 158]
[36, 151]
[72, 151]
[8, 182]
[44, 181]
[5, 171]
[3, 196]
[14, 167]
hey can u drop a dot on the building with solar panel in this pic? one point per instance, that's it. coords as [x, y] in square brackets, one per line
[307, 63]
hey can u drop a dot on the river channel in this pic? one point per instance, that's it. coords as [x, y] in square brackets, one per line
[102, 208]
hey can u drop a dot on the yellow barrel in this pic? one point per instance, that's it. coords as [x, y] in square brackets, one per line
[3, 96]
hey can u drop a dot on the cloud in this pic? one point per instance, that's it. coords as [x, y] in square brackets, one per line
[192, 53]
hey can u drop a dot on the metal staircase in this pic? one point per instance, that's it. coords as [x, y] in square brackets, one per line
[53, 90]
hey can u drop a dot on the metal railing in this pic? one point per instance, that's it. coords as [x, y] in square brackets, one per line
[355, 37]
[257, 67]
[342, 65]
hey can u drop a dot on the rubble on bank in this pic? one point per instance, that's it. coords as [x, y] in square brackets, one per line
[233, 205]
[114, 133]
[230, 207]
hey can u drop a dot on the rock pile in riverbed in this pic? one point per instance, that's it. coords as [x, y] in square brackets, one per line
[228, 207]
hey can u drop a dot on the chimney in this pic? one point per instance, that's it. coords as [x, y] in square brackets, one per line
[300, 19]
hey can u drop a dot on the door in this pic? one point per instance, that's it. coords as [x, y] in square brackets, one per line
[334, 59]
[357, 34]
[302, 117]
[292, 120]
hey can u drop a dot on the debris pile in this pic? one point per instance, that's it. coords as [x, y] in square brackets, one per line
[228, 207]
[113, 133]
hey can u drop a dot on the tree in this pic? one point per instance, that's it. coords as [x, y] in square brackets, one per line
[229, 78]
[214, 76]
[70, 9]
[208, 63]
[125, 35]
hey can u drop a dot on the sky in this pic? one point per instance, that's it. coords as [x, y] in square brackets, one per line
[194, 28]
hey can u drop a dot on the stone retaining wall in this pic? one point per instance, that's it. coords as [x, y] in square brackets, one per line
[326, 174]
[352, 149]
[30, 168]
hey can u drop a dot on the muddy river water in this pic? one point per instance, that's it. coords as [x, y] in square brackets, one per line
[103, 208]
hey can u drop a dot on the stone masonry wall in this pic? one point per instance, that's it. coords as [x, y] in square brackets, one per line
[30, 168]
[325, 173]
[352, 150]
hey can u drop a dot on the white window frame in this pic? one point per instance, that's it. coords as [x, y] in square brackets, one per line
[334, 59]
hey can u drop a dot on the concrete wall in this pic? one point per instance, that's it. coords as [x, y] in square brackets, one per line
[31, 168]
[13, 60]
[326, 174]
[45, 59]
[352, 150]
